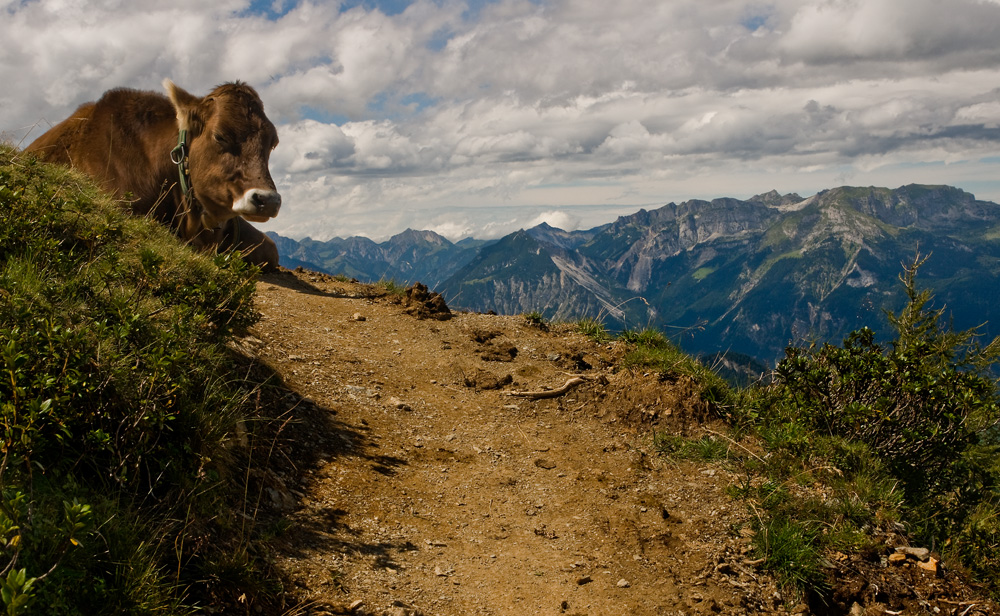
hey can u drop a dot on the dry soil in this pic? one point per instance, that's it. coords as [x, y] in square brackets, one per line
[414, 479]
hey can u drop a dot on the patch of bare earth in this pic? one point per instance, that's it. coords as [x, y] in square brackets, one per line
[414, 480]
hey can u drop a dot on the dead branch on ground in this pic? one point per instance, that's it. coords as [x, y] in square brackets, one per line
[552, 393]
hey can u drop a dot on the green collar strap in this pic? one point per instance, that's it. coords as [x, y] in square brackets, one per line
[179, 156]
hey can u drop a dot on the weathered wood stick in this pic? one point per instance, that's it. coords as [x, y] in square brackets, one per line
[550, 393]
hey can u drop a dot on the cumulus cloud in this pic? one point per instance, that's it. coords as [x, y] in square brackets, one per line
[462, 117]
[558, 219]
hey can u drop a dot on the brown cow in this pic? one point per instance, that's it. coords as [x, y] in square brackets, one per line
[198, 165]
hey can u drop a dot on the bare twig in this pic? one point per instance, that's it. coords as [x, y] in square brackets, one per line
[551, 393]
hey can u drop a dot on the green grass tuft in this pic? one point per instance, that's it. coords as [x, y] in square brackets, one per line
[790, 551]
[391, 287]
[593, 329]
[705, 449]
[649, 349]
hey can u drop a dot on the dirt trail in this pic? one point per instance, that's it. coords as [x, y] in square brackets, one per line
[434, 491]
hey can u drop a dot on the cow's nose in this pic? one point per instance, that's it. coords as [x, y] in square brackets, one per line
[267, 202]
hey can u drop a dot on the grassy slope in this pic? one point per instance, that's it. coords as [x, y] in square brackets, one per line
[117, 402]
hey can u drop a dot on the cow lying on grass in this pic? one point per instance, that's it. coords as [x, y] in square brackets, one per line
[198, 165]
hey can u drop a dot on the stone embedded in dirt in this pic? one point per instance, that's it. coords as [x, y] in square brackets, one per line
[897, 558]
[542, 463]
[425, 304]
[281, 498]
[483, 336]
[541, 531]
[500, 352]
[357, 316]
[398, 404]
[931, 564]
[399, 608]
[485, 380]
[356, 605]
[358, 391]
[623, 583]
[584, 580]
[917, 553]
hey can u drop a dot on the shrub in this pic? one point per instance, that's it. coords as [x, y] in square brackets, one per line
[920, 404]
[925, 408]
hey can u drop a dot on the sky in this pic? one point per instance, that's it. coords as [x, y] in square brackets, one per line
[480, 117]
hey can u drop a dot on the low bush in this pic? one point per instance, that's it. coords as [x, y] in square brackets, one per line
[901, 433]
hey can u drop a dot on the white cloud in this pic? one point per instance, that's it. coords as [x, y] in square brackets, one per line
[558, 219]
[310, 146]
[436, 117]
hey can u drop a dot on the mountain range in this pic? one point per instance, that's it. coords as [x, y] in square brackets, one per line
[745, 276]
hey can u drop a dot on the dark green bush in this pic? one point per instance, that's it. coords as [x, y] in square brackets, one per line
[925, 406]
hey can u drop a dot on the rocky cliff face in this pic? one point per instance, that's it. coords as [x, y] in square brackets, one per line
[634, 247]
[522, 274]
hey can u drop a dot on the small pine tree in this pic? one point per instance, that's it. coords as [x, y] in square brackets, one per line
[920, 404]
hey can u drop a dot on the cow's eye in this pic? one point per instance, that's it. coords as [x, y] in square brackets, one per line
[227, 145]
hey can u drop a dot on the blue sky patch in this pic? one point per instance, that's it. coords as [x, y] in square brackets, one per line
[419, 101]
[272, 9]
[757, 17]
[323, 116]
[388, 7]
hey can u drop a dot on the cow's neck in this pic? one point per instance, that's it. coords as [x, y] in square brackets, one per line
[196, 217]
[196, 224]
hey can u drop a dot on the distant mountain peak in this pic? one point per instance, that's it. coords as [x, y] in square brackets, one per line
[774, 198]
[412, 235]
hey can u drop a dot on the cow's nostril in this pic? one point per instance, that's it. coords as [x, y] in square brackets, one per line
[262, 198]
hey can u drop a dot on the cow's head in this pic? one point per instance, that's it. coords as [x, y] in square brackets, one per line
[230, 141]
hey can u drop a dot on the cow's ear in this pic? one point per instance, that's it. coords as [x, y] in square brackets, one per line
[186, 105]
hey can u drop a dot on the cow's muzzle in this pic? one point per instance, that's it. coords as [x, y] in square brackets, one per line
[258, 205]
